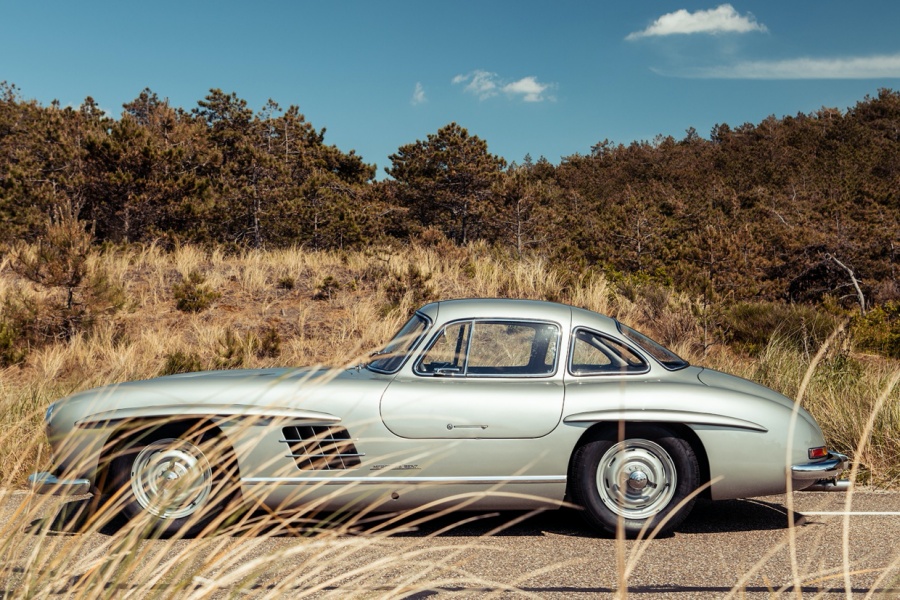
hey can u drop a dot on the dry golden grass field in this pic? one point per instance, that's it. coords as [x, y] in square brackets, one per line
[295, 307]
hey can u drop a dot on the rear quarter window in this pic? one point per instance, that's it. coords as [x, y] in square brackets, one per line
[595, 354]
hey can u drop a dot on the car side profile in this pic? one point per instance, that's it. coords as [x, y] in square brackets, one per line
[479, 404]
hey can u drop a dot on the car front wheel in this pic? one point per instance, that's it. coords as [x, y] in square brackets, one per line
[638, 481]
[173, 483]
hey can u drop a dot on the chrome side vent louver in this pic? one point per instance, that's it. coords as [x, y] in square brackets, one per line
[321, 447]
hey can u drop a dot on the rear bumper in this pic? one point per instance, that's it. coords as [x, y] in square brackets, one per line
[48, 483]
[829, 468]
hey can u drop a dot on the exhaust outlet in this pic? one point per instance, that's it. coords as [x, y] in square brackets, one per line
[828, 485]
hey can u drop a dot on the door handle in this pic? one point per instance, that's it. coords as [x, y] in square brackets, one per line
[451, 426]
[447, 371]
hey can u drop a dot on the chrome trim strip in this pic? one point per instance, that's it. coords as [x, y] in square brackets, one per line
[322, 455]
[161, 412]
[48, 483]
[663, 416]
[328, 441]
[339, 480]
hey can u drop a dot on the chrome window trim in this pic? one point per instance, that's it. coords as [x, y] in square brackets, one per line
[434, 339]
[574, 338]
[466, 375]
[412, 347]
[683, 364]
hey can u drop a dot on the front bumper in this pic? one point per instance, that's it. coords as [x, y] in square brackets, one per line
[48, 483]
[829, 468]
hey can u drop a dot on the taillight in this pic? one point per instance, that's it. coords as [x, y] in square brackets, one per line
[820, 452]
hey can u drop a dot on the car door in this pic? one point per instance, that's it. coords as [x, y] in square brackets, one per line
[484, 379]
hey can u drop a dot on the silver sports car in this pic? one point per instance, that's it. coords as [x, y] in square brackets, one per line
[474, 404]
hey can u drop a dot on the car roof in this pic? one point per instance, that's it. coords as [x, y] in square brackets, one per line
[507, 308]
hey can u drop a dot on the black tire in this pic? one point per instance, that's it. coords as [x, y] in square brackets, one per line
[640, 480]
[173, 482]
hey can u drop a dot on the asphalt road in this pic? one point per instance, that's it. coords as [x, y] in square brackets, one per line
[739, 549]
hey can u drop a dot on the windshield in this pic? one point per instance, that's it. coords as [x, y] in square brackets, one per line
[666, 357]
[390, 359]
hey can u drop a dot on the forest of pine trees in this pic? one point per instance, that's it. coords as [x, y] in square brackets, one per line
[802, 209]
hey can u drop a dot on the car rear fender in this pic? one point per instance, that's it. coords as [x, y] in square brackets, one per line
[606, 426]
[679, 421]
[663, 416]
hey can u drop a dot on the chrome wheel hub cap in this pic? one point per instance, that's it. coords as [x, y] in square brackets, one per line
[171, 478]
[637, 481]
[636, 478]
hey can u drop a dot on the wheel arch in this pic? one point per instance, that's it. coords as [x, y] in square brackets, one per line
[607, 428]
[130, 431]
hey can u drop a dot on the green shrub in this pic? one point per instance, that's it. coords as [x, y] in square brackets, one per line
[181, 362]
[232, 351]
[11, 350]
[32, 319]
[71, 294]
[193, 295]
[879, 330]
[286, 283]
[268, 345]
[413, 282]
[327, 288]
[749, 326]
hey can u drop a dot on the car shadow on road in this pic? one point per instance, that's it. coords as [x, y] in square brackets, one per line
[750, 514]
[72, 517]
[77, 515]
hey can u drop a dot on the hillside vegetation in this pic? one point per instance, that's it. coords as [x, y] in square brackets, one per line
[169, 240]
[799, 208]
[193, 309]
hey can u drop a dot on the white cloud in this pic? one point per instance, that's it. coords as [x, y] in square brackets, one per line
[858, 67]
[479, 83]
[418, 96]
[529, 89]
[485, 84]
[722, 19]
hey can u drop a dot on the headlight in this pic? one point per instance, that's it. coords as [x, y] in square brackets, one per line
[49, 413]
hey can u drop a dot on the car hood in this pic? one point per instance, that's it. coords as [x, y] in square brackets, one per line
[213, 383]
[282, 388]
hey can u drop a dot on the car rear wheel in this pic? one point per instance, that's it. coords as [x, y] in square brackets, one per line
[638, 481]
[173, 482]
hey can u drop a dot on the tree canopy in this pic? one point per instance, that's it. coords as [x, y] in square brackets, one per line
[798, 208]
[446, 182]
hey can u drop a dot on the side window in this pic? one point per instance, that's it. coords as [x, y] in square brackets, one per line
[593, 354]
[492, 349]
[447, 354]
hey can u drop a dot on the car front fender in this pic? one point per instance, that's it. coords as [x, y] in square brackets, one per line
[113, 418]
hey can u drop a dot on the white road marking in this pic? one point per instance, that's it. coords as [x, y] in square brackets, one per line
[843, 513]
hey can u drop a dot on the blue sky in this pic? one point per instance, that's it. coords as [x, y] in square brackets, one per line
[540, 78]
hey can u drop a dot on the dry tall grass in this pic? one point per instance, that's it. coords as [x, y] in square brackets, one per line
[330, 308]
